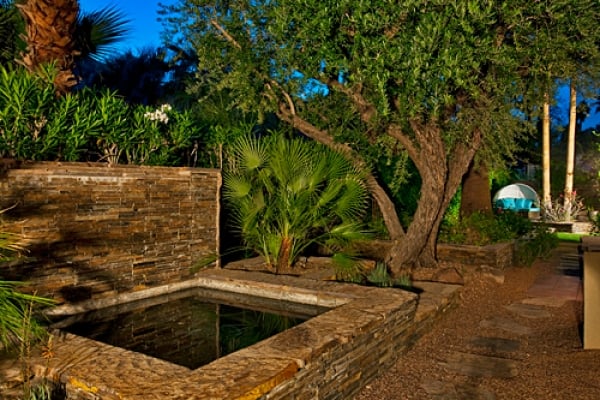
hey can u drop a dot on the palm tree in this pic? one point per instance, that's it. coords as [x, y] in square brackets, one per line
[56, 32]
[286, 195]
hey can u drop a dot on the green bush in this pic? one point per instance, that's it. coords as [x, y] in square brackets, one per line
[285, 196]
[88, 125]
[538, 243]
[380, 276]
[482, 229]
[596, 223]
[532, 240]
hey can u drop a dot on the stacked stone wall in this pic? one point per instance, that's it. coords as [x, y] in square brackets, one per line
[93, 230]
[495, 257]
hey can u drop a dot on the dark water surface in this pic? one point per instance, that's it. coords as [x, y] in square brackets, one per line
[189, 328]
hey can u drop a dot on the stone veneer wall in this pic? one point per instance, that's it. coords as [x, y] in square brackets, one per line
[467, 258]
[93, 230]
[488, 258]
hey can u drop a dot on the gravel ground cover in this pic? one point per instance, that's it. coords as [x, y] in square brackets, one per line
[494, 345]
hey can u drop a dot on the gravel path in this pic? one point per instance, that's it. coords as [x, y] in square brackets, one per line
[495, 346]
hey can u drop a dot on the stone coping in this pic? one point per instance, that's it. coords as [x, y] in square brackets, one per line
[94, 370]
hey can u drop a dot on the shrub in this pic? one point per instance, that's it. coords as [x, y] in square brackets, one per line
[287, 195]
[88, 125]
[537, 243]
[483, 229]
[380, 276]
[557, 212]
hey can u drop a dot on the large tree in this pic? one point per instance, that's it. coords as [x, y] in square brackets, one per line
[432, 78]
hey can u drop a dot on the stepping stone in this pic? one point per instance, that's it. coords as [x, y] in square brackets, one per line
[506, 325]
[476, 365]
[545, 301]
[496, 344]
[529, 310]
[439, 390]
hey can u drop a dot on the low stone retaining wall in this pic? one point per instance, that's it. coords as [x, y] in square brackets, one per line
[494, 257]
[571, 227]
[464, 258]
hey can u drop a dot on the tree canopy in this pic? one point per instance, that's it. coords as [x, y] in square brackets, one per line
[434, 79]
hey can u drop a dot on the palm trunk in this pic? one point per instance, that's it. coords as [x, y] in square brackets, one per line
[546, 194]
[285, 254]
[51, 26]
[568, 194]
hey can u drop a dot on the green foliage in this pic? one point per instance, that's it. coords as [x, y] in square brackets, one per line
[410, 59]
[532, 240]
[25, 102]
[483, 229]
[348, 268]
[287, 195]
[596, 222]
[11, 25]
[537, 243]
[98, 31]
[40, 390]
[16, 323]
[415, 81]
[380, 276]
[88, 125]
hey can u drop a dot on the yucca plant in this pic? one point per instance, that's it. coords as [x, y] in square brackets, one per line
[286, 195]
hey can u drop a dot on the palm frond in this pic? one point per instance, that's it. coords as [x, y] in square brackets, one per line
[98, 31]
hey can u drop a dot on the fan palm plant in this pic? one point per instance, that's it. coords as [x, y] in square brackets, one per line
[286, 195]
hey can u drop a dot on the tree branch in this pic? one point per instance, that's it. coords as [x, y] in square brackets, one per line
[385, 204]
[225, 34]
[396, 132]
[366, 110]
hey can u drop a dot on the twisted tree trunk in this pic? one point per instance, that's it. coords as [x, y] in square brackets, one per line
[441, 170]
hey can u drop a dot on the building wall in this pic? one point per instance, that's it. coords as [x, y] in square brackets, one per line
[93, 230]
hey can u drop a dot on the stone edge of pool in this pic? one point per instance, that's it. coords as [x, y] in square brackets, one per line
[328, 356]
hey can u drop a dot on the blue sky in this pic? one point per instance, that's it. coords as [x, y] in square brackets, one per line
[145, 30]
